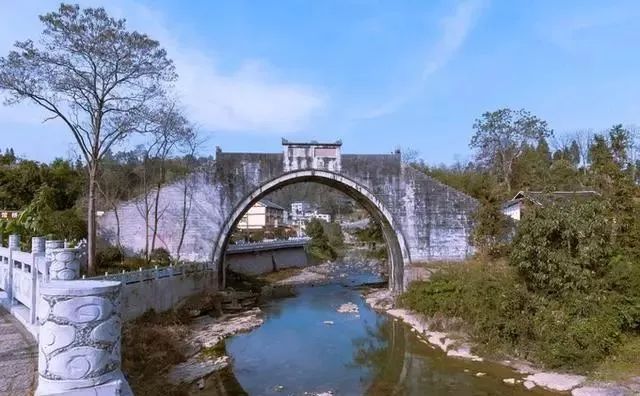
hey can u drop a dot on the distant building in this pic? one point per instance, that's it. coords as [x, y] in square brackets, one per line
[9, 214]
[516, 206]
[298, 209]
[263, 215]
[315, 215]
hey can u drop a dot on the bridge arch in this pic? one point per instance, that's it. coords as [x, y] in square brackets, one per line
[396, 246]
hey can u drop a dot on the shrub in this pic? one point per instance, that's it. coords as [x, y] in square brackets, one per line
[568, 336]
[563, 248]
[109, 256]
[160, 257]
[574, 331]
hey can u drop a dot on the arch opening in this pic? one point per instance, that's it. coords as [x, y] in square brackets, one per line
[397, 251]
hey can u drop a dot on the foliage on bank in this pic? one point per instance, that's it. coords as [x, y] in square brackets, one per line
[561, 287]
[568, 296]
[327, 241]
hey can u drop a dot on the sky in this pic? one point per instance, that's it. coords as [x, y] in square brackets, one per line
[378, 75]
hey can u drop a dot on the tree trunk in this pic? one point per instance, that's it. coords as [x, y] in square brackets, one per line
[118, 242]
[156, 217]
[185, 212]
[91, 220]
[156, 204]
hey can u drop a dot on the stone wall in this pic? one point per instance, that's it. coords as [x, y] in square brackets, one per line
[203, 220]
[161, 289]
[265, 261]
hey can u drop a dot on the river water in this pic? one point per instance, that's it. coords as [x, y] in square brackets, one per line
[306, 347]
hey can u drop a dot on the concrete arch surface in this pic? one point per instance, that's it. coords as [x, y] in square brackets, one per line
[398, 251]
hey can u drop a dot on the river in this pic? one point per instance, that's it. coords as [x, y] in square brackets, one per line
[306, 347]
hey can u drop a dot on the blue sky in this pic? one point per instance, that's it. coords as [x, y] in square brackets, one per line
[377, 74]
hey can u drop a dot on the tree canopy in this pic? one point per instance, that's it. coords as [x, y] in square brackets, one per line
[93, 74]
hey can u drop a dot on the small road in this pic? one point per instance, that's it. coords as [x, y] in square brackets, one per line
[18, 357]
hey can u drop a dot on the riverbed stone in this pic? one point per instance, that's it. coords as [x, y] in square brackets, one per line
[510, 381]
[348, 308]
[529, 384]
[464, 352]
[208, 331]
[556, 381]
[597, 391]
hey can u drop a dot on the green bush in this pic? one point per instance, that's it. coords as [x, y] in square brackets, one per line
[575, 334]
[319, 247]
[109, 257]
[575, 331]
[160, 257]
[563, 248]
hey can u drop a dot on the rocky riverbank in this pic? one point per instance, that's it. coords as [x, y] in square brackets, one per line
[204, 335]
[525, 374]
[335, 271]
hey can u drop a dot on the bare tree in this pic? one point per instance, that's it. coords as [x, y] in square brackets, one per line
[634, 150]
[583, 138]
[95, 76]
[190, 148]
[171, 130]
[143, 200]
[501, 136]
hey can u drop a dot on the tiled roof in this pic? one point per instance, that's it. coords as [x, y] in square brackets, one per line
[540, 197]
[270, 204]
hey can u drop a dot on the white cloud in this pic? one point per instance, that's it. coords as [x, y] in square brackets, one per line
[247, 99]
[454, 30]
[567, 31]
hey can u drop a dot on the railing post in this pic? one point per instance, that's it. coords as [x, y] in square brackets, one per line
[14, 244]
[37, 253]
[64, 263]
[79, 337]
[49, 246]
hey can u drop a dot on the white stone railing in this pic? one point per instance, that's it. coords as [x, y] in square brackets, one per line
[257, 246]
[161, 288]
[77, 322]
[151, 274]
[20, 276]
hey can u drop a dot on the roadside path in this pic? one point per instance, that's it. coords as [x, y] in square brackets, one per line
[18, 357]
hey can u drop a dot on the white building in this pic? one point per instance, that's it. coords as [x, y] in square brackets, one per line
[298, 209]
[316, 215]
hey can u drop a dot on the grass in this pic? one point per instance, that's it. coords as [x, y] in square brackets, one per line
[624, 364]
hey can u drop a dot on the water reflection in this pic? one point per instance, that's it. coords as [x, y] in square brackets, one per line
[295, 353]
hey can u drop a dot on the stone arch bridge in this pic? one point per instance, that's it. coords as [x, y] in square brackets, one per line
[422, 219]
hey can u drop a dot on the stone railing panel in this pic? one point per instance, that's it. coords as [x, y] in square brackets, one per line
[65, 263]
[79, 341]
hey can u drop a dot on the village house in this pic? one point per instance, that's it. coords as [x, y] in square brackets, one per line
[515, 207]
[263, 215]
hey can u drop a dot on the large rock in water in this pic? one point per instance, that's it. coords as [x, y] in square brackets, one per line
[196, 368]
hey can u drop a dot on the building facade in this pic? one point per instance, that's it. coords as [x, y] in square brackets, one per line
[263, 215]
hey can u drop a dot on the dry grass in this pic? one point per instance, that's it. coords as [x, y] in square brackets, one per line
[150, 346]
[279, 275]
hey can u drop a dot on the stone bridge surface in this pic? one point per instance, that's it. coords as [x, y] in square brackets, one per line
[422, 219]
